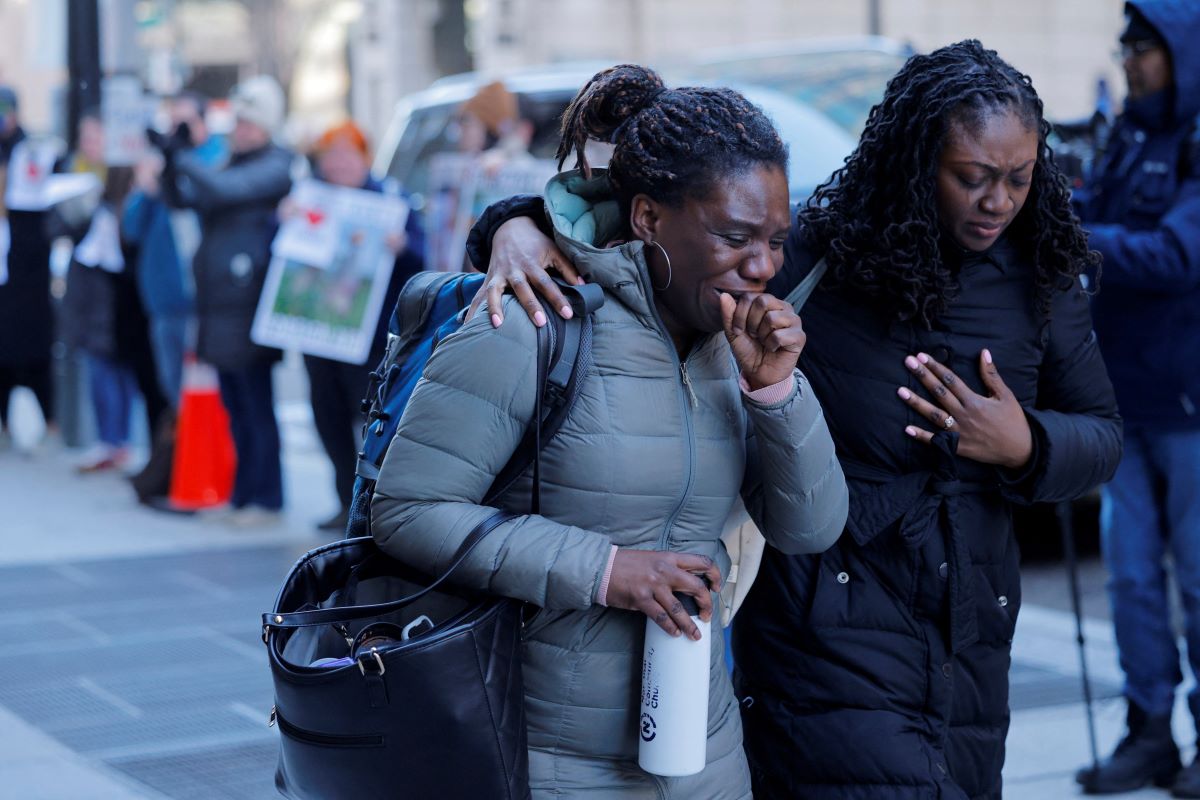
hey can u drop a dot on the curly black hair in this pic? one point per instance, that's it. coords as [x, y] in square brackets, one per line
[670, 144]
[876, 218]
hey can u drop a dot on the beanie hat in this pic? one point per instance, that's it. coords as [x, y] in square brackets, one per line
[259, 101]
[344, 130]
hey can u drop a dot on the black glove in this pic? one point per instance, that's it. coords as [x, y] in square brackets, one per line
[179, 139]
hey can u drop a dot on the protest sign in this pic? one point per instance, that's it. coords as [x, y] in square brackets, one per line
[329, 271]
[461, 187]
[125, 114]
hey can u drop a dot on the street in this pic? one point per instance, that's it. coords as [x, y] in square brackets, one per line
[131, 664]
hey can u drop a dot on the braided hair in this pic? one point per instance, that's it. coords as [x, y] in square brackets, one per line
[669, 144]
[876, 218]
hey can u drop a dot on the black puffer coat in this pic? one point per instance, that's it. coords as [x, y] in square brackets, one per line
[26, 312]
[879, 669]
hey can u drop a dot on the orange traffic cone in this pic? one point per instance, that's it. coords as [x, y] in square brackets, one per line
[202, 472]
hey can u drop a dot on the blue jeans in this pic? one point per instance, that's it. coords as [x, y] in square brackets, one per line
[168, 334]
[113, 387]
[1149, 509]
[249, 399]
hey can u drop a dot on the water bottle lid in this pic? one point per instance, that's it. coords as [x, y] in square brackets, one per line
[689, 604]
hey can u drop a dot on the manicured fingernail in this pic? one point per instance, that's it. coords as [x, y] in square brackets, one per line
[987, 356]
[911, 431]
[495, 320]
[924, 359]
[566, 312]
[904, 393]
[539, 319]
[696, 636]
[911, 363]
[579, 281]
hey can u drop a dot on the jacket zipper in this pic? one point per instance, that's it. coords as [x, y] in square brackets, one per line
[687, 401]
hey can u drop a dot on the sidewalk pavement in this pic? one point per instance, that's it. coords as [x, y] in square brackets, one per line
[71, 533]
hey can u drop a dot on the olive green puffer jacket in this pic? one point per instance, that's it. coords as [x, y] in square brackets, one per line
[651, 456]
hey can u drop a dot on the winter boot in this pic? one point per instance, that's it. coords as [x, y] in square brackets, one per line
[1187, 783]
[1147, 754]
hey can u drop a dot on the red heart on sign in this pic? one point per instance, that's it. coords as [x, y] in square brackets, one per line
[33, 171]
[314, 217]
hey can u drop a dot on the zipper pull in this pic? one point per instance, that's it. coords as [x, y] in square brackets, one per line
[271, 719]
[687, 382]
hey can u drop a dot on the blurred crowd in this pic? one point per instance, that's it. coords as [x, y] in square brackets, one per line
[169, 252]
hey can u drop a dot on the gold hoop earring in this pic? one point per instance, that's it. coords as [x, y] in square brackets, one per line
[670, 275]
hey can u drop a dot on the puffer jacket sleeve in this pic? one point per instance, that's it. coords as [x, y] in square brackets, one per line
[262, 179]
[1164, 259]
[461, 425]
[794, 490]
[1075, 424]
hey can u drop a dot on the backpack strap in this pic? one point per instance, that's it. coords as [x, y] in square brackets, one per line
[566, 364]
[798, 296]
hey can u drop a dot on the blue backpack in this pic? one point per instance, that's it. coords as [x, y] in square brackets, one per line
[431, 306]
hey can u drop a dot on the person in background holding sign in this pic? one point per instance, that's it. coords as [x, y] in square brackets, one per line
[236, 204]
[166, 240]
[336, 388]
[26, 313]
[1142, 213]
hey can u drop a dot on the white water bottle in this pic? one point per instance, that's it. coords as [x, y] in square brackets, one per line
[673, 724]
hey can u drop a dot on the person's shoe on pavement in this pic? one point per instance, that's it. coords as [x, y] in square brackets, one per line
[1147, 754]
[1187, 783]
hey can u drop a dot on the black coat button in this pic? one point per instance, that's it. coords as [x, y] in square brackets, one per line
[941, 354]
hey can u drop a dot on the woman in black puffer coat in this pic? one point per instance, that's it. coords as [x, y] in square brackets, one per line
[951, 345]
[879, 669]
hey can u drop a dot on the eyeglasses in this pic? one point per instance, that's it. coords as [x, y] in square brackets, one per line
[1136, 49]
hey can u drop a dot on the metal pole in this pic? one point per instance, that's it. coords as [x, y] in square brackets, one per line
[874, 18]
[83, 62]
[1065, 524]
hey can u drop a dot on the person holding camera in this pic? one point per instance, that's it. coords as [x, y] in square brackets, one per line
[166, 238]
[1142, 212]
[236, 204]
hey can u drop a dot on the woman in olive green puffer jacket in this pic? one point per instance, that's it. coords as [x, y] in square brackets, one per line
[665, 434]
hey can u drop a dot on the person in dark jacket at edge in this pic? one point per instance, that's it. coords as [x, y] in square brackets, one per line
[26, 310]
[1142, 211]
[951, 344]
[336, 388]
[236, 204]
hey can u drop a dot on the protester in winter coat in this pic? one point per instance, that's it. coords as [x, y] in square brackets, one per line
[166, 239]
[26, 313]
[165, 253]
[102, 316]
[1142, 211]
[951, 346]
[236, 204]
[682, 232]
[336, 388]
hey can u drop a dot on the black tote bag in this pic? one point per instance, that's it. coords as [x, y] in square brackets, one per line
[440, 715]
